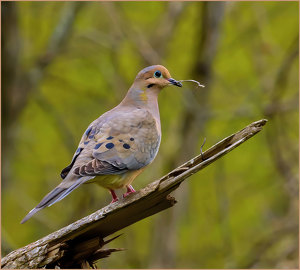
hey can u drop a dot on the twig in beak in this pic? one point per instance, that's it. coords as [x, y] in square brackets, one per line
[200, 85]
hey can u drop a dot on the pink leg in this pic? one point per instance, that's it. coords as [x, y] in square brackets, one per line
[130, 190]
[114, 196]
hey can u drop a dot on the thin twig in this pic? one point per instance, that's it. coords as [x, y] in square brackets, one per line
[201, 148]
[199, 85]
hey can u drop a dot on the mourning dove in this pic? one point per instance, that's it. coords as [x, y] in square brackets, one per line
[117, 146]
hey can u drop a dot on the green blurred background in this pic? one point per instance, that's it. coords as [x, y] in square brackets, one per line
[64, 64]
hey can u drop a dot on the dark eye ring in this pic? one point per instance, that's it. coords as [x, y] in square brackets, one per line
[157, 74]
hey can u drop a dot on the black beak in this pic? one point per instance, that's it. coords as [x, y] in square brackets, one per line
[174, 82]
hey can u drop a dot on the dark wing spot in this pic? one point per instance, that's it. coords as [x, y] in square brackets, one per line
[93, 131]
[91, 136]
[126, 146]
[109, 145]
[65, 171]
[120, 140]
[132, 139]
[88, 131]
[109, 138]
[78, 150]
[86, 142]
[97, 145]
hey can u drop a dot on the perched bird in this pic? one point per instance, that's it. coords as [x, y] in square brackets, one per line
[117, 146]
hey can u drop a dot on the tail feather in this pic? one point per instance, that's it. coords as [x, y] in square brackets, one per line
[65, 193]
[57, 194]
[30, 214]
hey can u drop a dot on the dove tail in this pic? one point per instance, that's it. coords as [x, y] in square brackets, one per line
[57, 194]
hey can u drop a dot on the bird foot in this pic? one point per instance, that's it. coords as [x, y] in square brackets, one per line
[114, 196]
[114, 200]
[130, 190]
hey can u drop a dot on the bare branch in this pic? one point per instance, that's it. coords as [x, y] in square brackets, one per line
[193, 121]
[27, 82]
[283, 165]
[11, 45]
[19, 84]
[57, 41]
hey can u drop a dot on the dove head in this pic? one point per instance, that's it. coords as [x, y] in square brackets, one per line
[154, 78]
[147, 85]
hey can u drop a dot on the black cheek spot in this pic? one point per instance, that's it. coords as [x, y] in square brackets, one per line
[150, 85]
[109, 145]
[126, 146]
[109, 138]
[97, 145]
[132, 139]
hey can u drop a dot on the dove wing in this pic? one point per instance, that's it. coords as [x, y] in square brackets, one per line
[128, 140]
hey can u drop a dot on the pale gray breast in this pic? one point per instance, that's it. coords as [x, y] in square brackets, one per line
[148, 141]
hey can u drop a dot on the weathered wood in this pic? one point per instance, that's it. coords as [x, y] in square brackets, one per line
[81, 243]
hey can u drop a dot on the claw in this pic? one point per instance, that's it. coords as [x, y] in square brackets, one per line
[114, 200]
[130, 190]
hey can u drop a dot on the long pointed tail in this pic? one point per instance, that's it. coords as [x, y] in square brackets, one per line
[57, 194]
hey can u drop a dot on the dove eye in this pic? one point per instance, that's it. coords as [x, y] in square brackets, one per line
[157, 74]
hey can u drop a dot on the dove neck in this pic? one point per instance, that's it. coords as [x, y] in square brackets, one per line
[143, 99]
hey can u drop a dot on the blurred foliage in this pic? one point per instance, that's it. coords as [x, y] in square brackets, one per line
[242, 212]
